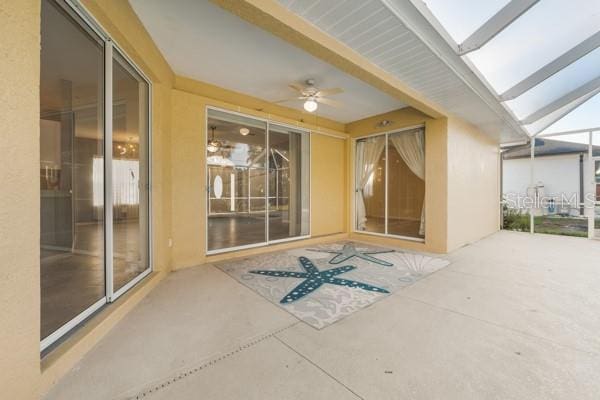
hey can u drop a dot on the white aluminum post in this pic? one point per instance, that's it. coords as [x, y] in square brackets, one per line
[108, 178]
[267, 172]
[591, 205]
[531, 184]
[386, 185]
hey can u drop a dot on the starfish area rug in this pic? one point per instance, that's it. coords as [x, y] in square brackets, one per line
[320, 285]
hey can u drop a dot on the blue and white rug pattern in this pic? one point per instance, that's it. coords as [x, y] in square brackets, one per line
[322, 284]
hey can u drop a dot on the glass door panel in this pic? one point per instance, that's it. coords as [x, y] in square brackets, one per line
[236, 174]
[370, 184]
[406, 183]
[289, 174]
[130, 173]
[71, 190]
[390, 184]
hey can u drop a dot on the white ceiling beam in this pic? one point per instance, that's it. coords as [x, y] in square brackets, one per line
[581, 91]
[558, 115]
[545, 135]
[416, 16]
[496, 24]
[553, 67]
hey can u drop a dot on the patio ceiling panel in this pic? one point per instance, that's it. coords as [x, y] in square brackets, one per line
[397, 49]
[547, 30]
[543, 72]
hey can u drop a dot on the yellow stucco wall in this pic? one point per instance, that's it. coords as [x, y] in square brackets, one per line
[473, 184]
[435, 175]
[19, 200]
[328, 185]
[188, 179]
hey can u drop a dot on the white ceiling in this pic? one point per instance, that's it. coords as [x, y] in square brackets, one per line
[378, 30]
[204, 42]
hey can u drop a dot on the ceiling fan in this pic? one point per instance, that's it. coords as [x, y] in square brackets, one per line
[214, 145]
[312, 95]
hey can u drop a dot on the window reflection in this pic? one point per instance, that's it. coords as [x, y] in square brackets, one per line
[130, 177]
[71, 145]
[237, 216]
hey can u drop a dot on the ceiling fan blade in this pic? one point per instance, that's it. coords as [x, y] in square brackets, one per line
[329, 102]
[291, 99]
[330, 92]
[297, 87]
[288, 99]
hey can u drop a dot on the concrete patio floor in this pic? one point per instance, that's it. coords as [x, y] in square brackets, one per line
[514, 316]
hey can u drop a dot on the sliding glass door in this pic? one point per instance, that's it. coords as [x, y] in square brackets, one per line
[71, 141]
[257, 182]
[130, 173]
[289, 178]
[94, 151]
[237, 180]
[390, 184]
[370, 183]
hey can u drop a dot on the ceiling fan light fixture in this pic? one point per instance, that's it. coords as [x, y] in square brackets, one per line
[310, 105]
[213, 146]
[244, 131]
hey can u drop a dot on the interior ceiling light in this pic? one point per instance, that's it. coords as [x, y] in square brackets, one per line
[244, 131]
[212, 147]
[310, 104]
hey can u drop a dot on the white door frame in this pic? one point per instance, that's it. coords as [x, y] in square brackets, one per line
[110, 47]
[354, 189]
[266, 242]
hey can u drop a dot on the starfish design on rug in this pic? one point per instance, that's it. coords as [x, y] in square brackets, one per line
[314, 279]
[349, 251]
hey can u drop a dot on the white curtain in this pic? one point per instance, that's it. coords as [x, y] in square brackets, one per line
[368, 153]
[411, 147]
[126, 182]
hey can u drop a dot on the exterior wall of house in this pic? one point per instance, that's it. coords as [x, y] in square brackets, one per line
[558, 174]
[473, 184]
[19, 200]
[178, 196]
[328, 185]
[328, 173]
[19, 204]
[435, 175]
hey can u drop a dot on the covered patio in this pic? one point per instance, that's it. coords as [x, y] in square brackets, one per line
[300, 199]
[513, 316]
